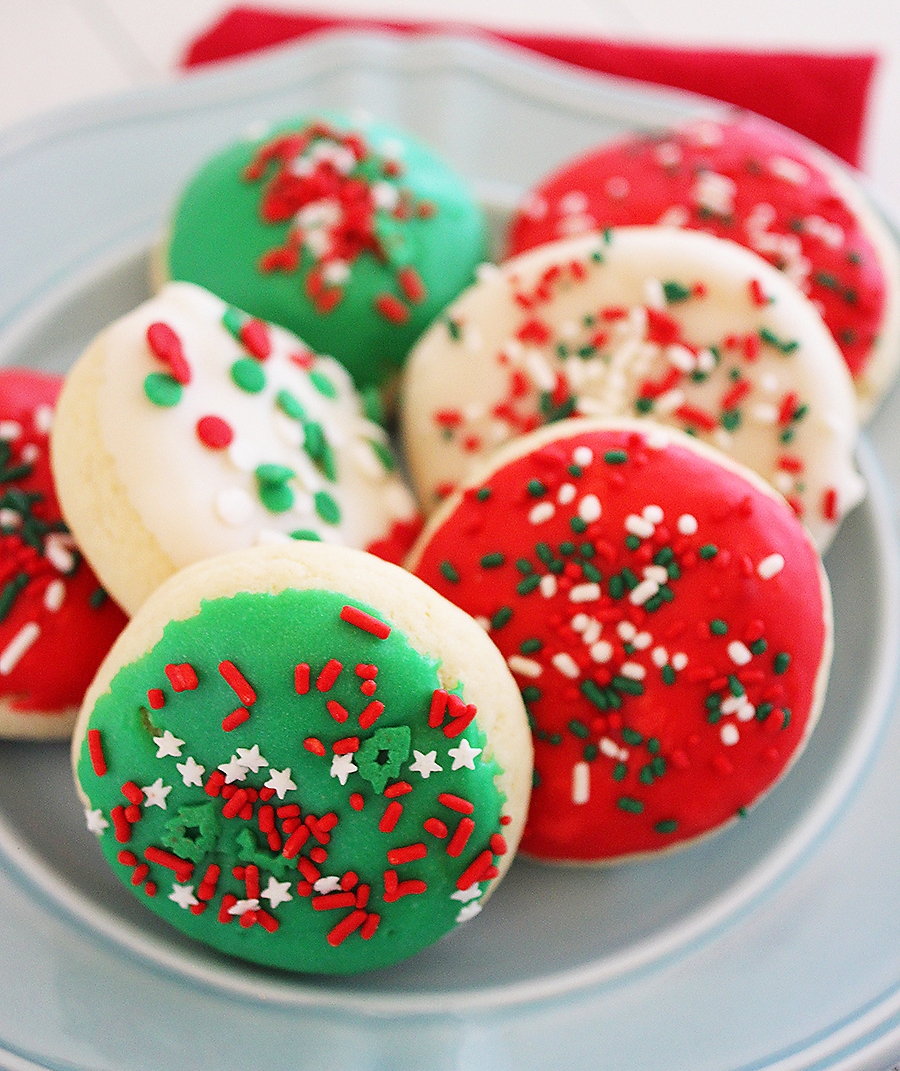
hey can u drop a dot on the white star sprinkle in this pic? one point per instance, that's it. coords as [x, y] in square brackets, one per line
[168, 744]
[328, 884]
[251, 758]
[464, 755]
[183, 895]
[191, 771]
[280, 782]
[276, 892]
[243, 905]
[342, 766]
[155, 794]
[469, 912]
[425, 764]
[465, 895]
[234, 770]
[96, 823]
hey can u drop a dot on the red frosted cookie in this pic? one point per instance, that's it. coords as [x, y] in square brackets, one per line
[752, 182]
[56, 622]
[667, 619]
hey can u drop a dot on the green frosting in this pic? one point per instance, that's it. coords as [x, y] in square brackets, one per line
[223, 779]
[236, 232]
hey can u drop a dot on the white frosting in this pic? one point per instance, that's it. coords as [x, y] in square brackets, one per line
[198, 501]
[512, 368]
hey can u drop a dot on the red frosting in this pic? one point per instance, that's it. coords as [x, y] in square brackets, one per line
[56, 622]
[748, 181]
[665, 620]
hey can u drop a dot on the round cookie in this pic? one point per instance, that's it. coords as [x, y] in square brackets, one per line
[305, 757]
[189, 429]
[692, 330]
[753, 182]
[56, 622]
[665, 614]
[353, 235]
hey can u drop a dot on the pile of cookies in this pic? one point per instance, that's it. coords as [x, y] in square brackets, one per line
[595, 621]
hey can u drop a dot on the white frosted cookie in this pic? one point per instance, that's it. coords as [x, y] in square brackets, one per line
[695, 331]
[189, 429]
[305, 757]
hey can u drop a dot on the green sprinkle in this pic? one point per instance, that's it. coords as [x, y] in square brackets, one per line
[663, 556]
[782, 661]
[289, 405]
[631, 580]
[501, 617]
[578, 728]
[274, 474]
[536, 488]
[646, 775]
[591, 572]
[590, 752]
[306, 534]
[98, 598]
[628, 803]
[588, 550]
[594, 694]
[668, 674]
[327, 508]
[786, 717]
[454, 330]
[658, 766]
[714, 717]
[276, 497]
[323, 384]
[493, 560]
[718, 627]
[162, 390]
[567, 547]
[763, 711]
[653, 745]
[233, 320]
[667, 825]
[632, 542]
[448, 571]
[575, 470]
[758, 646]
[578, 525]
[615, 457]
[10, 592]
[384, 455]
[708, 550]
[632, 736]
[248, 374]
[731, 419]
[372, 405]
[644, 405]
[675, 292]
[773, 340]
[483, 494]
[713, 701]
[531, 694]
[524, 566]
[528, 584]
[619, 771]
[530, 646]
[735, 686]
[616, 586]
[825, 279]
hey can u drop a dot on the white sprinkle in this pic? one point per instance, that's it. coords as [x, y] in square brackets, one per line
[486, 270]
[765, 413]
[543, 511]
[731, 704]
[241, 456]
[687, 524]
[626, 630]
[58, 553]
[30, 453]
[566, 665]
[618, 187]
[657, 438]
[706, 361]
[266, 537]
[580, 622]
[584, 593]
[9, 518]
[589, 509]
[575, 201]
[548, 586]
[789, 170]
[581, 783]
[660, 656]
[633, 670]
[592, 632]
[602, 652]
[638, 526]
[17, 647]
[336, 272]
[43, 419]
[583, 456]
[485, 623]
[54, 595]
[770, 566]
[525, 667]
[10, 430]
[729, 734]
[656, 573]
[644, 591]
[681, 357]
[669, 402]
[234, 506]
[739, 653]
[654, 295]
[679, 661]
[746, 711]
[642, 641]
[566, 494]
[608, 747]
[653, 514]
[668, 153]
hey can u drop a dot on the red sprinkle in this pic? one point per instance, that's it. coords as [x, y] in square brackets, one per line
[254, 335]
[132, 793]
[438, 708]
[214, 432]
[315, 745]
[334, 901]
[399, 788]
[238, 682]
[343, 929]
[301, 678]
[696, 417]
[391, 308]
[166, 345]
[182, 676]
[436, 828]
[156, 698]
[357, 802]
[354, 616]
[121, 825]
[456, 803]
[347, 746]
[757, 295]
[294, 843]
[499, 845]
[338, 712]
[329, 675]
[235, 718]
[390, 817]
[476, 871]
[369, 926]
[412, 286]
[214, 784]
[371, 714]
[95, 750]
[829, 504]
[408, 853]
[183, 867]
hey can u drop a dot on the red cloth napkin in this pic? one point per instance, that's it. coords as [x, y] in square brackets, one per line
[822, 96]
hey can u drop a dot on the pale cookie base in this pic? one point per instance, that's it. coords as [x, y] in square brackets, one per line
[93, 500]
[27, 725]
[431, 624]
[528, 444]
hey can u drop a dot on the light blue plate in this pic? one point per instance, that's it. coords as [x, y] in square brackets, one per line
[773, 946]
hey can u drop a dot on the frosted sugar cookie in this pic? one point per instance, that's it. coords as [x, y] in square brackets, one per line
[188, 429]
[667, 619]
[692, 330]
[756, 183]
[353, 235]
[305, 757]
[56, 622]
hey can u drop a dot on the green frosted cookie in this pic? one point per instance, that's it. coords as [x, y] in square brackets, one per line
[314, 774]
[355, 237]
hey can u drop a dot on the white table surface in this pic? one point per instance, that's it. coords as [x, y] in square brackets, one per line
[56, 51]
